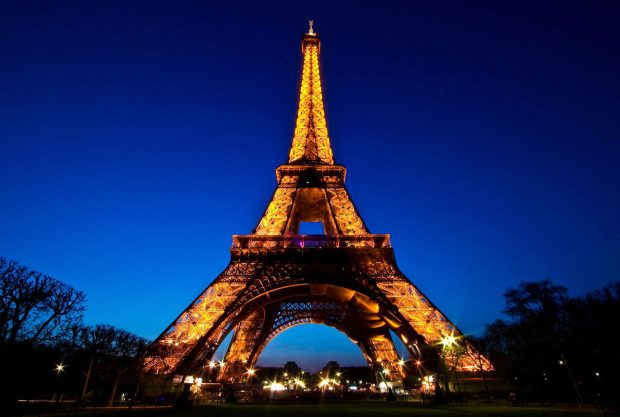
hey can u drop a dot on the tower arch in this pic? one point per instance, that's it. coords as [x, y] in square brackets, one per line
[326, 344]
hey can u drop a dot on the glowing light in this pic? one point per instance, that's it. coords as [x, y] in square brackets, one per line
[251, 371]
[386, 371]
[222, 364]
[311, 126]
[448, 341]
[324, 383]
[418, 362]
[212, 364]
[60, 367]
[401, 362]
[276, 386]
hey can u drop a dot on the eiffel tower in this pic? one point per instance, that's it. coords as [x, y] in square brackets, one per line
[346, 278]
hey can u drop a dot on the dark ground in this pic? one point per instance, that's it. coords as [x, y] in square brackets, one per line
[357, 409]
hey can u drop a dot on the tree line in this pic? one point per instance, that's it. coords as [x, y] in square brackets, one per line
[48, 353]
[549, 347]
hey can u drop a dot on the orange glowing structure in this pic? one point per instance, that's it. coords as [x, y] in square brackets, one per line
[346, 278]
[311, 140]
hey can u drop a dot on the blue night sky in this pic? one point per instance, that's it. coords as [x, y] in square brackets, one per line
[137, 137]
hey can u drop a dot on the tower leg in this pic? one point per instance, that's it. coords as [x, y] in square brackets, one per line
[383, 358]
[237, 360]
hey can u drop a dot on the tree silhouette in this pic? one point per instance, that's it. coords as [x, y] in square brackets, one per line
[35, 308]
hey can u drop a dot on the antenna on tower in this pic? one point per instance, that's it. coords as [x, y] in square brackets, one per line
[310, 23]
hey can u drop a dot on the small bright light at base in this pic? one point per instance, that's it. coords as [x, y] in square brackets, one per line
[384, 386]
[324, 382]
[59, 368]
[276, 386]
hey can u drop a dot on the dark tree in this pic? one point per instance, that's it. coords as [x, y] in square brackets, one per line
[96, 344]
[593, 346]
[479, 356]
[532, 341]
[38, 316]
[558, 348]
[127, 352]
[111, 353]
[292, 369]
[540, 302]
[36, 308]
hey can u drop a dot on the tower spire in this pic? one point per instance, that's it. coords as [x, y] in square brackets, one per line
[311, 144]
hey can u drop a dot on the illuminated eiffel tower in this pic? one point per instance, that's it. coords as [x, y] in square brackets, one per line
[346, 278]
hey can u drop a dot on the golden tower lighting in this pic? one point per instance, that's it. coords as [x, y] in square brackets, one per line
[277, 278]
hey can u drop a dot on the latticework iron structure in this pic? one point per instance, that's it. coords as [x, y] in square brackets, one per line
[346, 278]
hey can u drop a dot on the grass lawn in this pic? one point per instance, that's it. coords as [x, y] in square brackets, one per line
[352, 409]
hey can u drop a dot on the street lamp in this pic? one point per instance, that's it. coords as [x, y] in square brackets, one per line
[60, 367]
